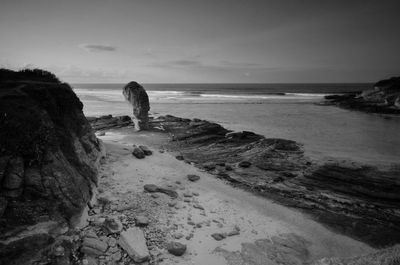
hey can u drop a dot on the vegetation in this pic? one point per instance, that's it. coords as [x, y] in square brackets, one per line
[33, 75]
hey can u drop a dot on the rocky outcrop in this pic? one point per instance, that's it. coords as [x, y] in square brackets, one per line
[358, 200]
[383, 97]
[48, 159]
[137, 96]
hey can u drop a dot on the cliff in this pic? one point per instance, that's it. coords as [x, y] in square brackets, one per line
[383, 97]
[48, 161]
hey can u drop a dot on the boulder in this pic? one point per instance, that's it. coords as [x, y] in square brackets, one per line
[137, 96]
[134, 243]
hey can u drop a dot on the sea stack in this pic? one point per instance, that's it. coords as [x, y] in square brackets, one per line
[137, 96]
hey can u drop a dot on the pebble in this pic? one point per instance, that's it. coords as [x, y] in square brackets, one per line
[195, 193]
[172, 203]
[179, 157]
[187, 200]
[198, 206]
[244, 164]
[178, 235]
[188, 195]
[218, 236]
[193, 178]
[141, 220]
[155, 195]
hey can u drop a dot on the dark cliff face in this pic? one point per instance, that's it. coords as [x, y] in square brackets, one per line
[48, 154]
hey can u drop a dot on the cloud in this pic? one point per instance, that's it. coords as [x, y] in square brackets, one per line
[97, 48]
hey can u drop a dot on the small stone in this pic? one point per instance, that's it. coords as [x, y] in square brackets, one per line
[178, 182]
[186, 200]
[155, 195]
[191, 223]
[198, 225]
[116, 256]
[145, 150]
[179, 157]
[190, 236]
[172, 203]
[228, 168]
[218, 236]
[193, 178]
[112, 242]
[176, 248]
[244, 164]
[151, 188]
[59, 251]
[137, 152]
[178, 235]
[113, 225]
[195, 193]
[141, 220]
[198, 206]
[101, 133]
[188, 195]
[90, 234]
[93, 246]
[234, 233]
[208, 166]
[161, 151]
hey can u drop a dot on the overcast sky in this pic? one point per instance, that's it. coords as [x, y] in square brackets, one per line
[203, 41]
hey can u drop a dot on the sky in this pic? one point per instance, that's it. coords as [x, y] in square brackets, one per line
[203, 41]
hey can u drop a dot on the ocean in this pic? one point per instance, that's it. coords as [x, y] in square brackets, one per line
[287, 111]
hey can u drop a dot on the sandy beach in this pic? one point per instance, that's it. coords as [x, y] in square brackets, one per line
[206, 207]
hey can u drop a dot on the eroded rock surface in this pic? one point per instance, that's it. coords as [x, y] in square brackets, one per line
[137, 96]
[358, 200]
[48, 158]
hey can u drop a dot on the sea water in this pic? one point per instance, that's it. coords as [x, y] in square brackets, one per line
[287, 111]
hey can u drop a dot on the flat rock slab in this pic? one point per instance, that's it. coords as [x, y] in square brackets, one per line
[134, 243]
[154, 188]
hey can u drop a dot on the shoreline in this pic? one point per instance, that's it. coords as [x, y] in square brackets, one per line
[222, 208]
[337, 208]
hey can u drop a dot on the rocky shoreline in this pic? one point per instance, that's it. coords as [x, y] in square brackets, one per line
[354, 199]
[65, 201]
[383, 98]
